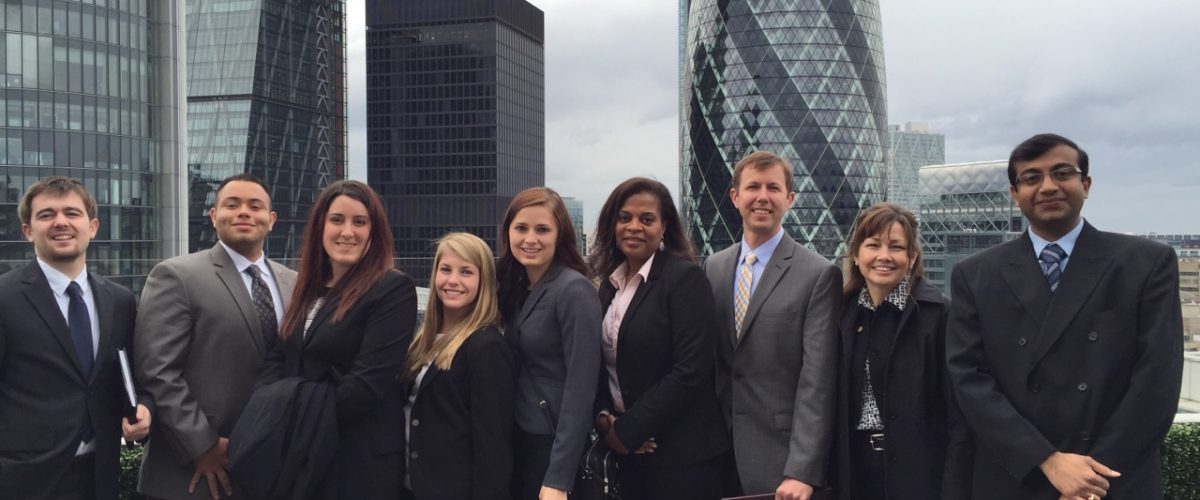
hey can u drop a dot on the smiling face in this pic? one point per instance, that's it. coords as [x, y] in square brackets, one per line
[762, 197]
[346, 234]
[639, 229]
[1052, 206]
[60, 229]
[457, 286]
[243, 217]
[531, 239]
[884, 260]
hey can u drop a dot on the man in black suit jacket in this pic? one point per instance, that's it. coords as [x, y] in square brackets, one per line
[61, 394]
[1065, 345]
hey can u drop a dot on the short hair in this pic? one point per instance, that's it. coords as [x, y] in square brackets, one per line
[55, 186]
[606, 255]
[762, 160]
[243, 177]
[1036, 146]
[875, 220]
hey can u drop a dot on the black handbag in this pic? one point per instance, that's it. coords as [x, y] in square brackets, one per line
[597, 476]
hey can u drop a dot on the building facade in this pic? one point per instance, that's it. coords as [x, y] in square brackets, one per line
[266, 96]
[94, 91]
[455, 116]
[912, 146]
[801, 78]
[964, 208]
[1187, 246]
[575, 211]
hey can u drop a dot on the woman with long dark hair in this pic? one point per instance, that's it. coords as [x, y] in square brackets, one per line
[899, 433]
[658, 406]
[552, 322]
[350, 322]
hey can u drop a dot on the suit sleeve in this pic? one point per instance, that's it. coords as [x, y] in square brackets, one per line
[960, 448]
[1017, 443]
[1141, 419]
[388, 330]
[692, 335]
[161, 343]
[578, 313]
[492, 396]
[813, 409]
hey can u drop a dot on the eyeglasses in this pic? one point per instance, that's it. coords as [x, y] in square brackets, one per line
[1033, 178]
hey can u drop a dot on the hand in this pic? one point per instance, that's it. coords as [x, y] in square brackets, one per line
[212, 465]
[791, 489]
[138, 431]
[648, 446]
[548, 493]
[1077, 475]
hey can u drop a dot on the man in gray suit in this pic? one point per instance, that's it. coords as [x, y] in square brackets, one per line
[207, 322]
[776, 360]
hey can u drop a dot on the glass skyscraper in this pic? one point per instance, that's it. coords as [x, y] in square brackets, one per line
[93, 90]
[455, 116]
[801, 78]
[266, 96]
[913, 147]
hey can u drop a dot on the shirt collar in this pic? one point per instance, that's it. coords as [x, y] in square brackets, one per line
[1067, 242]
[241, 262]
[59, 281]
[617, 278]
[898, 297]
[764, 251]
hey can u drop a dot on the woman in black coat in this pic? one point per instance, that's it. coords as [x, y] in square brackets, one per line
[899, 432]
[459, 415]
[656, 402]
[350, 321]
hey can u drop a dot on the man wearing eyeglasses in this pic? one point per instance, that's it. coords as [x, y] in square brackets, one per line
[1065, 345]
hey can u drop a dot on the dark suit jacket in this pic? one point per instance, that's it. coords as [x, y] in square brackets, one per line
[460, 435]
[1093, 368]
[929, 447]
[556, 335]
[363, 354]
[665, 366]
[44, 398]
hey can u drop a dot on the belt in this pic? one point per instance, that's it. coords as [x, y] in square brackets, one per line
[874, 439]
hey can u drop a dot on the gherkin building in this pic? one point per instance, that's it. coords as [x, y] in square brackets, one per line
[801, 78]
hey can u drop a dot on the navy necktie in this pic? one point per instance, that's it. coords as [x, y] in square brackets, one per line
[80, 324]
[1051, 260]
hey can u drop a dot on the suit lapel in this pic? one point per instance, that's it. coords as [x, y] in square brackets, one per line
[327, 308]
[37, 292]
[723, 270]
[1024, 277]
[538, 291]
[1085, 267]
[228, 274]
[777, 267]
[106, 351]
[660, 260]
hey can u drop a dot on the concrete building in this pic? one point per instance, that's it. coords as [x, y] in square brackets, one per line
[913, 146]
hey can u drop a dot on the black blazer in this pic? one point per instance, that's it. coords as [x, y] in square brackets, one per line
[929, 447]
[363, 355]
[44, 398]
[666, 366]
[460, 433]
[1093, 368]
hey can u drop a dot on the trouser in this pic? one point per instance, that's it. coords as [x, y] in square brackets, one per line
[700, 481]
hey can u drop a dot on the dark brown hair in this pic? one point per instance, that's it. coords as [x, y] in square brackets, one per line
[55, 186]
[606, 256]
[876, 220]
[509, 272]
[315, 269]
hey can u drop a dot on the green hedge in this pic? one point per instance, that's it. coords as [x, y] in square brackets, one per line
[1181, 465]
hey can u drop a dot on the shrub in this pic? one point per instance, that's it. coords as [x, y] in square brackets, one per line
[131, 462]
[1181, 462]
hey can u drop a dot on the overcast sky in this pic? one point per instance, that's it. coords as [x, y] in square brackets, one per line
[1115, 78]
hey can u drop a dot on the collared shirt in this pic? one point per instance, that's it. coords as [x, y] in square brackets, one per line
[876, 332]
[762, 256]
[612, 322]
[58, 286]
[241, 263]
[1067, 243]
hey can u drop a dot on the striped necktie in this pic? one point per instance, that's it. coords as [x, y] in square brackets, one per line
[742, 299]
[1051, 261]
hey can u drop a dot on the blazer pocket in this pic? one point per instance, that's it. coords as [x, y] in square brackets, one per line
[782, 421]
[26, 439]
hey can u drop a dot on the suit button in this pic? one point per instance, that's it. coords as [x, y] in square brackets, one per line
[413, 455]
[1035, 387]
[1021, 342]
[1082, 386]
[860, 329]
[416, 423]
[1093, 336]
[1086, 436]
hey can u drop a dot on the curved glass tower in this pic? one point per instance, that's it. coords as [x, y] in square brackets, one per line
[801, 78]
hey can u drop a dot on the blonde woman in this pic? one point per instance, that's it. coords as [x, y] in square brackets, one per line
[459, 370]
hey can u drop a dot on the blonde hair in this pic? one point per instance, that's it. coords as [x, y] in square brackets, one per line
[426, 346]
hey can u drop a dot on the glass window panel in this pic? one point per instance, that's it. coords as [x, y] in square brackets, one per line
[13, 54]
[101, 70]
[74, 67]
[29, 16]
[47, 147]
[76, 112]
[102, 25]
[89, 70]
[89, 24]
[29, 60]
[13, 105]
[45, 58]
[12, 16]
[44, 18]
[46, 111]
[60, 19]
[73, 28]
[102, 115]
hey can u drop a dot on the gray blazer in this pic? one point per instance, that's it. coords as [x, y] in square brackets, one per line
[197, 348]
[556, 336]
[778, 384]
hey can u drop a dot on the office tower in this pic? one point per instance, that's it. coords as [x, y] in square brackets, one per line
[801, 78]
[266, 96]
[912, 146]
[94, 91]
[575, 210]
[455, 117]
[965, 208]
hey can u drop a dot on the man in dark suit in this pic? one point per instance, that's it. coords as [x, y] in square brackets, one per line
[209, 320]
[1065, 345]
[61, 393]
[778, 307]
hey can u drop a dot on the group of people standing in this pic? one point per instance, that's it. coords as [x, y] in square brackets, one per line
[764, 370]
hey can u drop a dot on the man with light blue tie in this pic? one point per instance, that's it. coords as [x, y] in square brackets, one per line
[778, 303]
[61, 392]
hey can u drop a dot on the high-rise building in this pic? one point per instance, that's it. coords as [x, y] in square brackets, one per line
[455, 116]
[266, 96]
[575, 210]
[801, 78]
[964, 208]
[912, 146]
[94, 91]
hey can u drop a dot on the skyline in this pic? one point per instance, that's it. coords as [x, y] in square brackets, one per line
[986, 76]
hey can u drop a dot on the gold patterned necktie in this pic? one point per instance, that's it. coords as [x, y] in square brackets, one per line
[742, 299]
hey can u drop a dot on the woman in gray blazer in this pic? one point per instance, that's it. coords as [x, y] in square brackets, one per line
[552, 318]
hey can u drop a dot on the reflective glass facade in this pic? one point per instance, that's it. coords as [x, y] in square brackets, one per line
[455, 116]
[801, 78]
[85, 94]
[575, 211]
[267, 96]
[913, 147]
